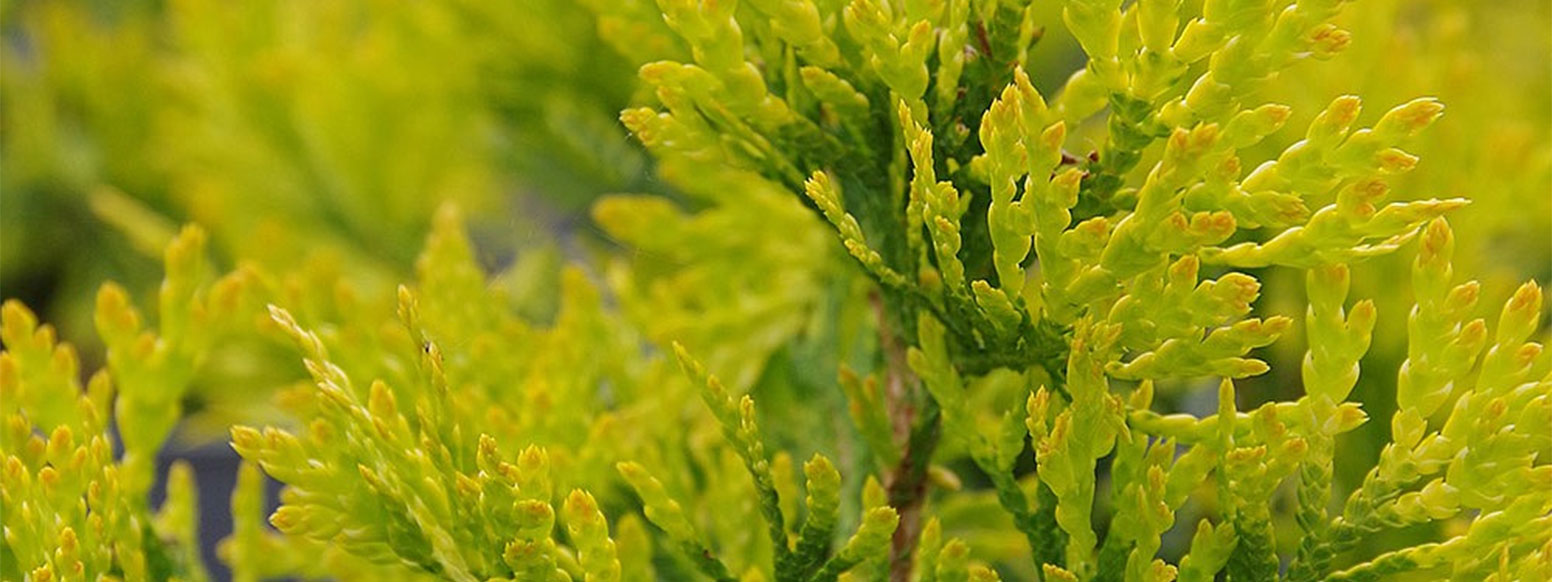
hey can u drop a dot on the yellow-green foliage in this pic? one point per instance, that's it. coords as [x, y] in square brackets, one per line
[73, 508]
[1024, 282]
[290, 129]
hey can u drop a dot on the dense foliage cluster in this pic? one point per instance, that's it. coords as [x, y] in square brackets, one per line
[900, 299]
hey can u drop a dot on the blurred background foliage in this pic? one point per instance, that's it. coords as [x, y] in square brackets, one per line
[297, 133]
[294, 130]
[318, 139]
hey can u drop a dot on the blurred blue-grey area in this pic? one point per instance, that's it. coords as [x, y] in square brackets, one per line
[215, 471]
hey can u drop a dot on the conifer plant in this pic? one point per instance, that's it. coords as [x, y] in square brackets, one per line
[1015, 333]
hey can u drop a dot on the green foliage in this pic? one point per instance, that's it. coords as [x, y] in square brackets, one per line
[1002, 370]
[290, 130]
[73, 509]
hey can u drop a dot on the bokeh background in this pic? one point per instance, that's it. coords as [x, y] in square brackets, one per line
[298, 132]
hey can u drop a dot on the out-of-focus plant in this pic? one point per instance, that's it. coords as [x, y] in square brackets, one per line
[995, 374]
[294, 130]
[323, 135]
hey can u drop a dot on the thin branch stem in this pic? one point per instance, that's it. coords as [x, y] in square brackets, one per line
[915, 424]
